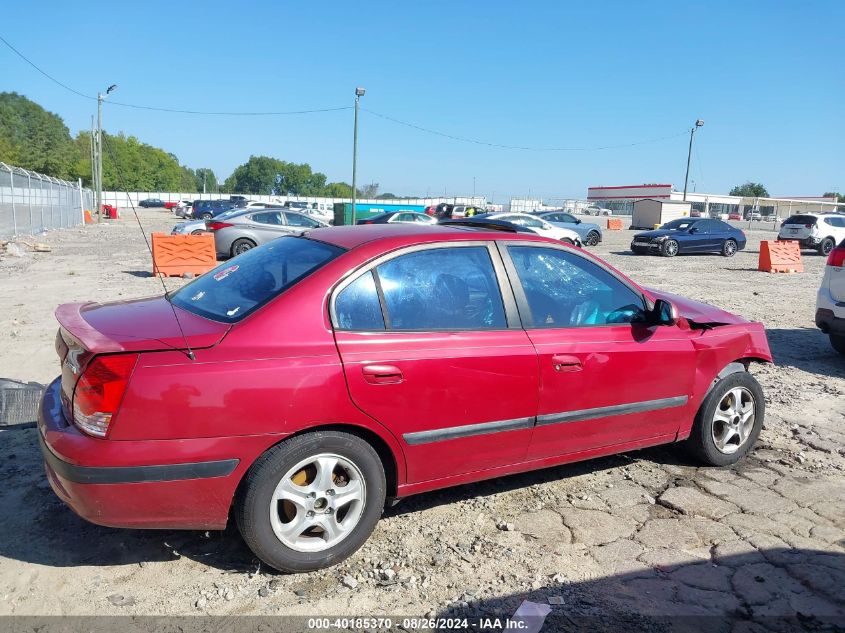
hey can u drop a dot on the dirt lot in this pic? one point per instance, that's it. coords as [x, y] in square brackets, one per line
[645, 533]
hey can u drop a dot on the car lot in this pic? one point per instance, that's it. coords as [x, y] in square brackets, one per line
[598, 534]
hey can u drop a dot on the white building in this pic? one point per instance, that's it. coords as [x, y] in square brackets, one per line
[621, 199]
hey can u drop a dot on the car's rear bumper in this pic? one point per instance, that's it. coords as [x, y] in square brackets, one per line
[830, 313]
[184, 484]
[804, 242]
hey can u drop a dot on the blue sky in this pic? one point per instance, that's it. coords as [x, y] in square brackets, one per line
[767, 78]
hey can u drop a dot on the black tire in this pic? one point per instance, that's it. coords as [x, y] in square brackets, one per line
[197, 232]
[826, 246]
[669, 248]
[255, 493]
[241, 245]
[729, 248]
[206, 216]
[592, 238]
[837, 341]
[701, 444]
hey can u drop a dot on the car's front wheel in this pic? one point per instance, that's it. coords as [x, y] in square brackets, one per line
[729, 420]
[729, 248]
[592, 238]
[205, 216]
[837, 341]
[669, 248]
[311, 501]
[826, 246]
[241, 245]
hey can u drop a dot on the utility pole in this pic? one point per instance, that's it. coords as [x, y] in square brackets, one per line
[359, 92]
[698, 124]
[203, 181]
[99, 191]
[93, 159]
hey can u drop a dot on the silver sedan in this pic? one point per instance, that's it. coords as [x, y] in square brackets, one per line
[590, 232]
[238, 233]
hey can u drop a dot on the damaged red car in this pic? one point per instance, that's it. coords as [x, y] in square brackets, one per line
[297, 387]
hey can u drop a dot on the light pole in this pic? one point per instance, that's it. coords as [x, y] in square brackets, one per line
[99, 196]
[698, 124]
[359, 92]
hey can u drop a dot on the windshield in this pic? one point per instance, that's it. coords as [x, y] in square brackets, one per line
[678, 225]
[244, 283]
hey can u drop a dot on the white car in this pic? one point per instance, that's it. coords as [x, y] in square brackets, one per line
[830, 301]
[539, 226]
[819, 231]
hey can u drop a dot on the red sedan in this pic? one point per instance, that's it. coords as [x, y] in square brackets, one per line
[297, 386]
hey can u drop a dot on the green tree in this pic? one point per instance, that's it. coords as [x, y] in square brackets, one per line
[33, 138]
[369, 191]
[750, 190]
[387, 196]
[839, 198]
[204, 176]
[265, 175]
[338, 190]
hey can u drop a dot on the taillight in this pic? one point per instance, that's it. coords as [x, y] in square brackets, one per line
[99, 392]
[809, 225]
[837, 257]
[216, 226]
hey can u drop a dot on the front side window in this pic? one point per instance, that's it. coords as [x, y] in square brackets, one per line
[442, 289]
[271, 217]
[246, 282]
[565, 290]
[295, 219]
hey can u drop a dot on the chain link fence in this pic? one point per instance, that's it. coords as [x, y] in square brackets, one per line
[31, 202]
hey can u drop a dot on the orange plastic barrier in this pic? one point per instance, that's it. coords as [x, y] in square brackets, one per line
[88, 218]
[614, 224]
[175, 255]
[780, 257]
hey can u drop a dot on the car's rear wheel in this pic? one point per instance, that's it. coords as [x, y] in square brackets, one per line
[826, 246]
[197, 232]
[592, 238]
[242, 245]
[669, 248]
[837, 341]
[729, 248]
[205, 216]
[729, 420]
[311, 501]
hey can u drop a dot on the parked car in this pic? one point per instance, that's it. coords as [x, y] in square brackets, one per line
[734, 216]
[300, 385]
[819, 231]
[399, 217]
[695, 213]
[171, 205]
[240, 232]
[596, 210]
[830, 300]
[538, 225]
[589, 232]
[207, 209]
[151, 202]
[690, 235]
[198, 227]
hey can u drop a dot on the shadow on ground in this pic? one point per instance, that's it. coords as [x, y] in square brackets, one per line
[806, 349]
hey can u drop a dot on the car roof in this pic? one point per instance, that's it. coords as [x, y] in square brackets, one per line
[399, 235]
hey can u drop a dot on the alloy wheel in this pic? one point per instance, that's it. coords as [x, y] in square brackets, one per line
[733, 420]
[317, 503]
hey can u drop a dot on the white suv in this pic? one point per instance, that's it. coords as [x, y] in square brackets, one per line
[819, 231]
[830, 301]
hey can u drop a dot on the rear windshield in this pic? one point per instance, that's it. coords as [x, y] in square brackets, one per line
[244, 283]
[800, 219]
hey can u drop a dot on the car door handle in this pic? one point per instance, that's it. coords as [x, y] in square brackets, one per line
[565, 362]
[382, 374]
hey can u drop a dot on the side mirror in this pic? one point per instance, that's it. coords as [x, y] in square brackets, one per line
[663, 313]
[577, 221]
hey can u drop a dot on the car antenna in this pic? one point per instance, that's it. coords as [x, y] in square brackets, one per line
[189, 352]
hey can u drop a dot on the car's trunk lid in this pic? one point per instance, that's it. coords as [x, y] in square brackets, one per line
[140, 325]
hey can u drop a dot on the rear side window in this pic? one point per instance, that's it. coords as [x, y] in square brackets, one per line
[357, 307]
[244, 283]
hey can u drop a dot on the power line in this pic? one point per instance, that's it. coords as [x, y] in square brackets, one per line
[520, 147]
[157, 108]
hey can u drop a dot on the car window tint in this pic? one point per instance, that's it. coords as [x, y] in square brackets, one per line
[565, 290]
[442, 289]
[271, 217]
[296, 219]
[568, 218]
[357, 307]
[521, 221]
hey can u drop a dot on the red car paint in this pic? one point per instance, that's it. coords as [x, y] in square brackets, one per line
[284, 370]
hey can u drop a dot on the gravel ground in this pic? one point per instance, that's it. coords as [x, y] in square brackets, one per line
[641, 534]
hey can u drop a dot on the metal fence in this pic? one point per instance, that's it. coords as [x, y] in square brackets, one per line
[31, 202]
